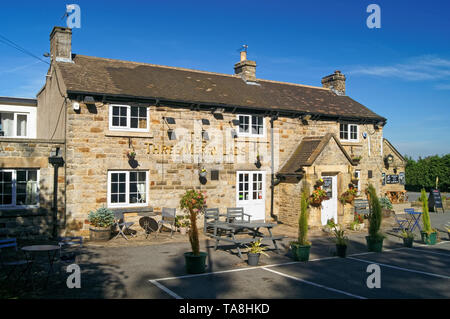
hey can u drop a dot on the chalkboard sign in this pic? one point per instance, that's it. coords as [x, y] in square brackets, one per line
[435, 200]
[392, 179]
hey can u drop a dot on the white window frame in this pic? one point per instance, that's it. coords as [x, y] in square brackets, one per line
[349, 139]
[250, 120]
[358, 176]
[14, 205]
[15, 124]
[127, 127]
[127, 190]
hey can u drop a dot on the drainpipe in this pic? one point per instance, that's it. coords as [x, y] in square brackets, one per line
[56, 161]
[272, 119]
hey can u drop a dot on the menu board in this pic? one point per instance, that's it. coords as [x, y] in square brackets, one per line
[392, 179]
[435, 200]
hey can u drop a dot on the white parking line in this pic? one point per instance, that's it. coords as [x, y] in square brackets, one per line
[314, 284]
[399, 268]
[164, 288]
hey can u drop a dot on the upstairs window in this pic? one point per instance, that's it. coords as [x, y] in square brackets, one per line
[19, 187]
[13, 124]
[251, 125]
[128, 118]
[348, 132]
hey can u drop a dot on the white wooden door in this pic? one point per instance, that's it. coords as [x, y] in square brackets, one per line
[329, 206]
[250, 193]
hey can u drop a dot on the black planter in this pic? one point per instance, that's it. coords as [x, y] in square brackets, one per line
[195, 264]
[341, 250]
[408, 242]
[374, 244]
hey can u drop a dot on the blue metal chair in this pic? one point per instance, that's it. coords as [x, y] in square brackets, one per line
[402, 222]
[15, 262]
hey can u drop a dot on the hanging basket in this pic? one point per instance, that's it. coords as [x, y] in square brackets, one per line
[315, 202]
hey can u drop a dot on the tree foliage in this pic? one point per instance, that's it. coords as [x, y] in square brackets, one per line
[423, 172]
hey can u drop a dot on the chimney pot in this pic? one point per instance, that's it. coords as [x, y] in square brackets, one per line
[245, 68]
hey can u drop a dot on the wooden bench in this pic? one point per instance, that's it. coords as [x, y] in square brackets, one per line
[361, 206]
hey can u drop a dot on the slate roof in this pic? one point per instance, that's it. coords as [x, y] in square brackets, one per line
[139, 80]
[307, 152]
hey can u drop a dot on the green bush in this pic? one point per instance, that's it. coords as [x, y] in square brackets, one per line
[303, 219]
[385, 203]
[425, 213]
[423, 172]
[375, 215]
[102, 217]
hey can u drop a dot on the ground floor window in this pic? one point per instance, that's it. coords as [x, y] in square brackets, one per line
[19, 187]
[127, 188]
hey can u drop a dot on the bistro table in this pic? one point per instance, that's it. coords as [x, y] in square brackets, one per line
[414, 220]
[51, 250]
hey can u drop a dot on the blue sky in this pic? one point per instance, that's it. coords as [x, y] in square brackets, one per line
[401, 71]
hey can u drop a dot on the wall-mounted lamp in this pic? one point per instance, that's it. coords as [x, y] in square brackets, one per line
[218, 110]
[205, 135]
[235, 122]
[233, 133]
[76, 106]
[169, 120]
[205, 122]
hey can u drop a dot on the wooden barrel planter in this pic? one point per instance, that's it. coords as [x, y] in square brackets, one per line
[99, 233]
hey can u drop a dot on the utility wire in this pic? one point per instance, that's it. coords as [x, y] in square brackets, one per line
[14, 45]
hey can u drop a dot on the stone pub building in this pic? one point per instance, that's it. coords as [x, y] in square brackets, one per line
[260, 142]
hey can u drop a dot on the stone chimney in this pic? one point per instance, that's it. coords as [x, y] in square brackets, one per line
[335, 82]
[245, 68]
[61, 44]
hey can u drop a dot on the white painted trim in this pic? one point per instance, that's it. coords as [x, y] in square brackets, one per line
[14, 189]
[250, 189]
[348, 128]
[30, 111]
[249, 134]
[127, 189]
[127, 128]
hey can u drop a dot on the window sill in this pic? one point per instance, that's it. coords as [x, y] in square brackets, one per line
[129, 134]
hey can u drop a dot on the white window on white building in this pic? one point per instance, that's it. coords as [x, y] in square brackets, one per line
[19, 188]
[13, 124]
[129, 118]
[127, 188]
[349, 132]
[251, 125]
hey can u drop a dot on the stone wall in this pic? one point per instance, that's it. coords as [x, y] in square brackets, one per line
[32, 153]
[93, 149]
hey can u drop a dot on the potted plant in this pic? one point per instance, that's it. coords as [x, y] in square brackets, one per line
[429, 235]
[318, 195]
[101, 222]
[386, 206]
[203, 172]
[356, 159]
[359, 219]
[185, 223]
[254, 252]
[341, 242]
[258, 161]
[131, 155]
[349, 195]
[408, 238]
[193, 202]
[330, 226]
[302, 246]
[375, 238]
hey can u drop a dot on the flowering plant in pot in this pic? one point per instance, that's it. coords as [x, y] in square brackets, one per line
[203, 172]
[341, 242]
[358, 222]
[330, 226]
[375, 238]
[193, 202]
[131, 155]
[429, 235]
[349, 195]
[254, 252]
[318, 195]
[300, 248]
[101, 222]
[408, 238]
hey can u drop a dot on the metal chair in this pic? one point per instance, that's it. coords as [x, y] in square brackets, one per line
[122, 225]
[167, 217]
[211, 218]
[69, 247]
[401, 221]
[236, 214]
[15, 262]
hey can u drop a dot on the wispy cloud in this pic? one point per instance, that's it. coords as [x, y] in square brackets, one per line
[423, 68]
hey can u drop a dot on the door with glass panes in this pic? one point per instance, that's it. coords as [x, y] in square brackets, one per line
[250, 193]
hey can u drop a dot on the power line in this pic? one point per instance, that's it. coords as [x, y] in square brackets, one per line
[14, 45]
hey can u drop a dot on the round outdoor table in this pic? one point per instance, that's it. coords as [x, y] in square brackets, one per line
[51, 251]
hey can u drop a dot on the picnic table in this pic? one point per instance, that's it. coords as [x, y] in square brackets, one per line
[227, 232]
